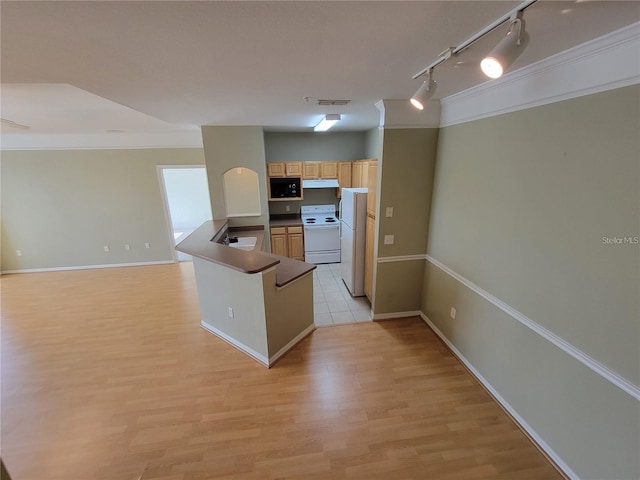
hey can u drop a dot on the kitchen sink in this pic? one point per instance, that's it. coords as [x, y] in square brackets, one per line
[245, 243]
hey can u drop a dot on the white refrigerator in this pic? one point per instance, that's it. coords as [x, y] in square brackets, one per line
[353, 224]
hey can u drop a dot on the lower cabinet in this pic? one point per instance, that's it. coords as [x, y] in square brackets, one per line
[288, 242]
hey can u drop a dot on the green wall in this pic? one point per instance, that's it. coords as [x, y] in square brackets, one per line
[60, 207]
[229, 147]
[521, 204]
[314, 147]
[405, 174]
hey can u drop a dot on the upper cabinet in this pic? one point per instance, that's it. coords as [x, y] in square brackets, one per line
[319, 170]
[284, 169]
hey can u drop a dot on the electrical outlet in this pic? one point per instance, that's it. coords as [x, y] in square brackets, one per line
[287, 208]
[230, 312]
[127, 247]
[389, 212]
[453, 313]
[19, 253]
[106, 248]
[147, 245]
[389, 239]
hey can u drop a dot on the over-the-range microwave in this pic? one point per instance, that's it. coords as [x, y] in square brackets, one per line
[281, 188]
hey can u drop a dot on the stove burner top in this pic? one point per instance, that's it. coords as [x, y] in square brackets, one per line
[330, 220]
[310, 220]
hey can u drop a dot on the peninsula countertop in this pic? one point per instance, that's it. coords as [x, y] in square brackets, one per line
[199, 244]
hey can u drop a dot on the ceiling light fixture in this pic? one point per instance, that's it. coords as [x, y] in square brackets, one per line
[425, 92]
[508, 50]
[327, 122]
[513, 15]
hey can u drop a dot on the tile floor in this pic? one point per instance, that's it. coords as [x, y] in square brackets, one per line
[332, 302]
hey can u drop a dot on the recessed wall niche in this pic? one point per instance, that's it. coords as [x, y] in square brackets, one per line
[241, 192]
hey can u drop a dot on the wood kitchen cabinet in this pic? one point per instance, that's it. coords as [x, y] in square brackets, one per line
[370, 233]
[319, 170]
[372, 186]
[279, 241]
[288, 241]
[284, 169]
[310, 170]
[368, 257]
[328, 169]
[293, 169]
[356, 174]
[295, 243]
[344, 176]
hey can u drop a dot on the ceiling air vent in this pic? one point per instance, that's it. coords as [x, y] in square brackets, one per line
[333, 102]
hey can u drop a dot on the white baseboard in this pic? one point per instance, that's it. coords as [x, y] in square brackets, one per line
[523, 424]
[389, 316]
[87, 267]
[274, 358]
[232, 341]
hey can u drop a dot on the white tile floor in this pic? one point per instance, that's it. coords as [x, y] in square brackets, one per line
[332, 302]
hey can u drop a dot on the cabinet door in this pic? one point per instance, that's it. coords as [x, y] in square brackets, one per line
[364, 176]
[310, 170]
[293, 169]
[329, 170]
[295, 239]
[275, 169]
[356, 174]
[279, 241]
[372, 185]
[368, 257]
[344, 176]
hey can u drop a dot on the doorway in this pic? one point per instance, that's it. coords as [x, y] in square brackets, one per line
[186, 193]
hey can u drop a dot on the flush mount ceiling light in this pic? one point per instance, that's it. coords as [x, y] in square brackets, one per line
[500, 58]
[508, 50]
[327, 122]
[425, 92]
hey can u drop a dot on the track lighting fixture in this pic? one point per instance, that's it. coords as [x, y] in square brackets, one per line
[425, 91]
[495, 64]
[508, 50]
[327, 122]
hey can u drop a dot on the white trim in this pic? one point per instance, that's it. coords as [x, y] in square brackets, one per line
[88, 267]
[291, 344]
[232, 341]
[389, 316]
[401, 258]
[605, 63]
[565, 346]
[525, 426]
[103, 141]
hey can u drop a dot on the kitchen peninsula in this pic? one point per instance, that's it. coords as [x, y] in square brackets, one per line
[259, 302]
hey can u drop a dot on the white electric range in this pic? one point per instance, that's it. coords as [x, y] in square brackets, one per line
[321, 234]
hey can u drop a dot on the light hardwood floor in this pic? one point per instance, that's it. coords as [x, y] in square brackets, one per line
[106, 374]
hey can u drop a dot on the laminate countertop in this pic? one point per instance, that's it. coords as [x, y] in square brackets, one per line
[199, 244]
[287, 220]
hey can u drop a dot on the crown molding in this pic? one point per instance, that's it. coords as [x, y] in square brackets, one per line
[101, 141]
[400, 114]
[605, 63]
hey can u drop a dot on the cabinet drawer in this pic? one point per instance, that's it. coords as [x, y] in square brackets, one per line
[294, 229]
[278, 230]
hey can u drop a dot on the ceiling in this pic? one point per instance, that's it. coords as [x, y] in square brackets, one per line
[86, 67]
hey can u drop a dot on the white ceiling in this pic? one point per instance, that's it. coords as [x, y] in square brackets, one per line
[87, 67]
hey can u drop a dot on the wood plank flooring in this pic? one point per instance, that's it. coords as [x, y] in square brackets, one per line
[107, 375]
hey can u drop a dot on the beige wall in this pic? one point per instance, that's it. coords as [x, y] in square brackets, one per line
[60, 207]
[406, 178]
[521, 204]
[229, 147]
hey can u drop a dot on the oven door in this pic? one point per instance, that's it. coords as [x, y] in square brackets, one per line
[322, 243]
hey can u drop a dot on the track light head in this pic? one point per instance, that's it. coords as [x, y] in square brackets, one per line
[507, 50]
[424, 92]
